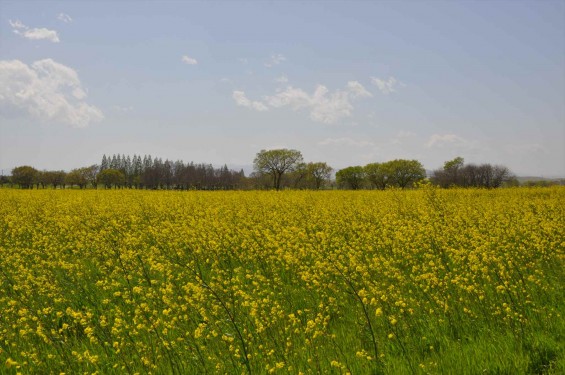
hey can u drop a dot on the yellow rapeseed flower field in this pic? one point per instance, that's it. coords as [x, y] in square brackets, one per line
[163, 282]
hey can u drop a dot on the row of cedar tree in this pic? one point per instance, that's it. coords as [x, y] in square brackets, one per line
[276, 169]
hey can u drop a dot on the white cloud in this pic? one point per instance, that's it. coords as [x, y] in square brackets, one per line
[189, 60]
[17, 24]
[386, 86]
[46, 90]
[357, 90]
[242, 100]
[35, 33]
[242, 60]
[443, 140]
[275, 59]
[64, 18]
[323, 106]
[345, 141]
[281, 79]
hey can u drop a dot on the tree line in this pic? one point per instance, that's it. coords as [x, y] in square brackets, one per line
[456, 173]
[404, 174]
[272, 169]
[120, 171]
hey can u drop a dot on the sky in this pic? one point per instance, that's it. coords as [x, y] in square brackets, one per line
[347, 83]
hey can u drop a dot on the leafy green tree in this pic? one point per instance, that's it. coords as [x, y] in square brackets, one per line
[76, 177]
[377, 175]
[351, 177]
[454, 165]
[451, 174]
[25, 176]
[111, 177]
[55, 178]
[319, 173]
[276, 163]
[404, 173]
[41, 179]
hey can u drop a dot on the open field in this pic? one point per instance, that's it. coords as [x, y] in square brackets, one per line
[425, 281]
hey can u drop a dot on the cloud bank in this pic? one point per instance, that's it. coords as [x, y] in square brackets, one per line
[45, 90]
[323, 106]
[243, 101]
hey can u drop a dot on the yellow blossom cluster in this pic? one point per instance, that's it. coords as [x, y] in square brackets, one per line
[281, 282]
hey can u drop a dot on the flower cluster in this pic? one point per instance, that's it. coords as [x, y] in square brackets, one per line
[280, 282]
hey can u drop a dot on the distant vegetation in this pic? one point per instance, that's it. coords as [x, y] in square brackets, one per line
[273, 169]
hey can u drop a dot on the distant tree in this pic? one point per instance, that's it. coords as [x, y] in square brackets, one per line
[104, 164]
[118, 163]
[152, 176]
[259, 181]
[404, 173]
[55, 178]
[41, 179]
[276, 163]
[90, 174]
[350, 177]
[168, 173]
[297, 177]
[451, 174]
[485, 175]
[147, 162]
[113, 163]
[111, 178]
[129, 171]
[454, 165]
[25, 176]
[456, 173]
[76, 177]
[319, 173]
[501, 175]
[5, 180]
[377, 175]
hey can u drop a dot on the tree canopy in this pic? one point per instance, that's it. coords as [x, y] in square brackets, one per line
[395, 173]
[350, 177]
[276, 163]
[25, 176]
[111, 177]
[404, 173]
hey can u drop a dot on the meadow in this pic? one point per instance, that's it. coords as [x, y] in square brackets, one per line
[425, 281]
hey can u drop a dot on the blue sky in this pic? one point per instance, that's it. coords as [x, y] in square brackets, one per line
[344, 82]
